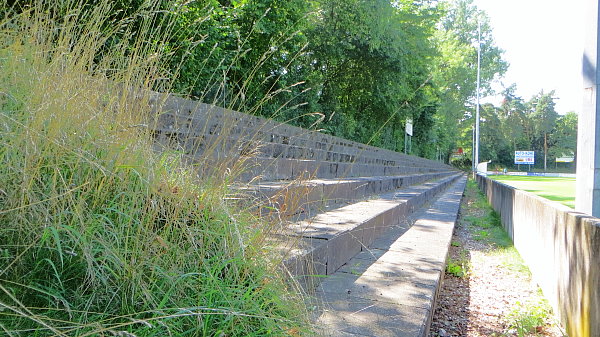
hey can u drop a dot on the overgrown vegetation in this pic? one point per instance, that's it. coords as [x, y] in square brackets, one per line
[356, 69]
[359, 68]
[483, 222]
[459, 266]
[526, 317]
[99, 235]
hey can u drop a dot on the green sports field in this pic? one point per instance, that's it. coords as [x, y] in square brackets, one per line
[556, 189]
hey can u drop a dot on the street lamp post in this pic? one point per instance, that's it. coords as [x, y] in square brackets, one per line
[476, 150]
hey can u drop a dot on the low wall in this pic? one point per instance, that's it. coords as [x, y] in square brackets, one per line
[561, 248]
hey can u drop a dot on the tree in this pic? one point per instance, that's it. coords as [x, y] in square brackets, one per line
[373, 58]
[513, 114]
[365, 66]
[544, 118]
[563, 138]
[240, 54]
[494, 145]
[454, 70]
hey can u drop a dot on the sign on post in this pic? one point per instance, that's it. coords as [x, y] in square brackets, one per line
[565, 159]
[524, 157]
[408, 135]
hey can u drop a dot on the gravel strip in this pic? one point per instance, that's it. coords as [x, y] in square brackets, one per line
[476, 305]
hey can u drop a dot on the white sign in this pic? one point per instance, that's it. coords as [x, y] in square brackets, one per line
[565, 159]
[409, 129]
[482, 167]
[525, 157]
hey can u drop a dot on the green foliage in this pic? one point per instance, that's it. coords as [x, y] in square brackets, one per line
[355, 69]
[242, 54]
[99, 235]
[459, 266]
[372, 57]
[526, 317]
[454, 269]
[563, 139]
[454, 71]
[463, 163]
[487, 226]
[533, 125]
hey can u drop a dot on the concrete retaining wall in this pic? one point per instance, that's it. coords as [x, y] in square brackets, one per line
[561, 248]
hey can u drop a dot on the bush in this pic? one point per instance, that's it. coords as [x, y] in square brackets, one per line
[527, 317]
[462, 163]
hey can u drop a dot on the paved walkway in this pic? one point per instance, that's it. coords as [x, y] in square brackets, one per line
[390, 289]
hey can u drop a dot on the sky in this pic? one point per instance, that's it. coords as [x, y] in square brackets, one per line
[543, 43]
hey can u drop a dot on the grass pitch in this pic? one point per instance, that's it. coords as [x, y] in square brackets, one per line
[552, 188]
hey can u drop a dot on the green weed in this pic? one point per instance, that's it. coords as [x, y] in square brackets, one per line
[526, 318]
[455, 269]
[482, 235]
[459, 266]
[483, 222]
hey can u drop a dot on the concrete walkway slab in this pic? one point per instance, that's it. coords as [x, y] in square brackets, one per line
[356, 316]
[390, 288]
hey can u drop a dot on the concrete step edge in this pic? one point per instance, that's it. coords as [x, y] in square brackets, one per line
[397, 290]
[289, 169]
[322, 248]
[301, 199]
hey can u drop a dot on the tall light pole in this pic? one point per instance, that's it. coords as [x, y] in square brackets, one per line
[476, 150]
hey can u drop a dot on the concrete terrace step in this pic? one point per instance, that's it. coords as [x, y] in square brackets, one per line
[219, 140]
[390, 288]
[300, 199]
[268, 169]
[292, 168]
[322, 244]
[203, 124]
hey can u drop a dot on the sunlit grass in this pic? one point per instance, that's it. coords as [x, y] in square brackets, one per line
[552, 188]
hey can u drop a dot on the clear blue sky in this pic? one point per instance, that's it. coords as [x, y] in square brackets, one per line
[543, 42]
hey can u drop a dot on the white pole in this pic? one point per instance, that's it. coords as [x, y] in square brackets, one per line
[473, 152]
[478, 84]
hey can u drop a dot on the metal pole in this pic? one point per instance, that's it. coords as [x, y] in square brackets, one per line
[478, 85]
[473, 152]
[545, 149]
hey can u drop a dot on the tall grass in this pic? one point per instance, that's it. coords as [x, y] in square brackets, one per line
[99, 235]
